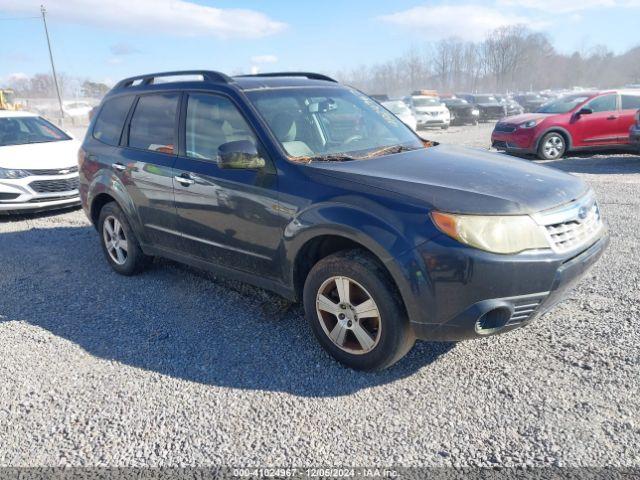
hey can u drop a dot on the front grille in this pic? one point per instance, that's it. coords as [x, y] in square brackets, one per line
[523, 310]
[53, 199]
[504, 127]
[54, 186]
[54, 171]
[493, 111]
[575, 232]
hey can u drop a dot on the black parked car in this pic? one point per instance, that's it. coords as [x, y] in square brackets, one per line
[462, 112]
[311, 189]
[531, 102]
[513, 107]
[487, 105]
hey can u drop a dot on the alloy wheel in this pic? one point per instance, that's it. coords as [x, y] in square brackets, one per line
[554, 146]
[115, 240]
[348, 315]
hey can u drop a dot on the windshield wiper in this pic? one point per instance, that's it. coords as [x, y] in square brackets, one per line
[388, 150]
[333, 157]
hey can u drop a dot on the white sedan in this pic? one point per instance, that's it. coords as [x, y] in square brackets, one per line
[38, 164]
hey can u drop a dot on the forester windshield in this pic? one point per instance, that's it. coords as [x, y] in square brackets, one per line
[564, 104]
[24, 130]
[331, 124]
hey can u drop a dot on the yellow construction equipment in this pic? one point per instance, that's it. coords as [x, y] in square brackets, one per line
[7, 100]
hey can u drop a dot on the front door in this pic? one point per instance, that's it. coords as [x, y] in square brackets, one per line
[226, 216]
[599, 128]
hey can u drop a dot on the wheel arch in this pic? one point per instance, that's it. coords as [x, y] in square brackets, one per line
[307, 243]
[557, 129]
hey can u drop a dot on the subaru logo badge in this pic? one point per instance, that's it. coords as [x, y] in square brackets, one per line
[582, 213]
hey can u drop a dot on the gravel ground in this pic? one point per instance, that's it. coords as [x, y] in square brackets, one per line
[176, 368]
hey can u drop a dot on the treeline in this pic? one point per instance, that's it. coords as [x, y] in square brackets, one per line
[509, 59]
[41, 85]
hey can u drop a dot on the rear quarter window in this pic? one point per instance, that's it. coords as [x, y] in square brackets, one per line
[110, 121]
[630, 102]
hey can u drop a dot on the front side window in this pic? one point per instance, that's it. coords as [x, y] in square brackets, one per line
[630, 102]
[110, 121]
[606, 103]
[153, 123]
[25, 130]
[327, 122]
[213, 121]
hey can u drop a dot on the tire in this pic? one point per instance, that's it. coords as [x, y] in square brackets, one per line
[371, 293]
[552, 146]
[126, 258]
[444, 127]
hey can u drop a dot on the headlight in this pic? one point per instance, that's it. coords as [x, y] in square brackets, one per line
[529, 124]
[497, 234]
[475, 111]
[12, 174]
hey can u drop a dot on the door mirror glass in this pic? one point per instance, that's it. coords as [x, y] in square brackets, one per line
[239, 154]
[585, 111]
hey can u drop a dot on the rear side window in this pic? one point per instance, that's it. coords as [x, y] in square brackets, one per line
[606, 103]
[630, 102]
[153, 123]
[111, 119]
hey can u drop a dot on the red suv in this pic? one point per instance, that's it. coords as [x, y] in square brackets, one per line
[581, 121]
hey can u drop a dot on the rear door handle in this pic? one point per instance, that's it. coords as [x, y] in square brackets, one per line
[120, 167]
[184, 179]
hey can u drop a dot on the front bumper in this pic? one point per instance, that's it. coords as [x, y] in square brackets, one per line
[452, 287]
[38, 193]
[520, 140]
[433, 121]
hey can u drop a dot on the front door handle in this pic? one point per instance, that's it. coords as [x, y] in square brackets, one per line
[184, 179]
[612, 117]
[120, 167]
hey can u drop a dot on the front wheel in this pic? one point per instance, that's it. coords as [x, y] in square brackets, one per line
[355, 312]
[552, 146]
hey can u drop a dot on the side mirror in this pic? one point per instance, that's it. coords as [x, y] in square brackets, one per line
[241, 154]
[585, 111]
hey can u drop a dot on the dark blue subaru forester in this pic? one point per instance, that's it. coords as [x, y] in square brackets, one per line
[309, 188]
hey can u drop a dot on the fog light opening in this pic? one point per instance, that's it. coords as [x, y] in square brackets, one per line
[493, 321]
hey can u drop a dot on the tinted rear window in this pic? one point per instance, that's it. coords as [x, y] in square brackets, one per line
[111, 120]
[153, 123]
[630, 102]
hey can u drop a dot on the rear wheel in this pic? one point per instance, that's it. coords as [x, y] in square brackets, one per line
[355, 312]
[119, 243]
[552, 146]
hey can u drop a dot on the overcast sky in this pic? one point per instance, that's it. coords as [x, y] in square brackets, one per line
[110, 39]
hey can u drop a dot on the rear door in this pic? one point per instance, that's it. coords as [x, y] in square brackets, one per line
[630, 104]
[147, 165]
[599, 128]
[226, 216]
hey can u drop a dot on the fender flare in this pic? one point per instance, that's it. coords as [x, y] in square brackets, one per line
[346, 221]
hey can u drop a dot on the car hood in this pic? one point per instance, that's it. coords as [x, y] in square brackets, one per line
[61, 154]
[524, 117]
[462, 180]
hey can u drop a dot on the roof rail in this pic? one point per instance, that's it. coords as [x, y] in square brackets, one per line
[147, 79]
[309, 75]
